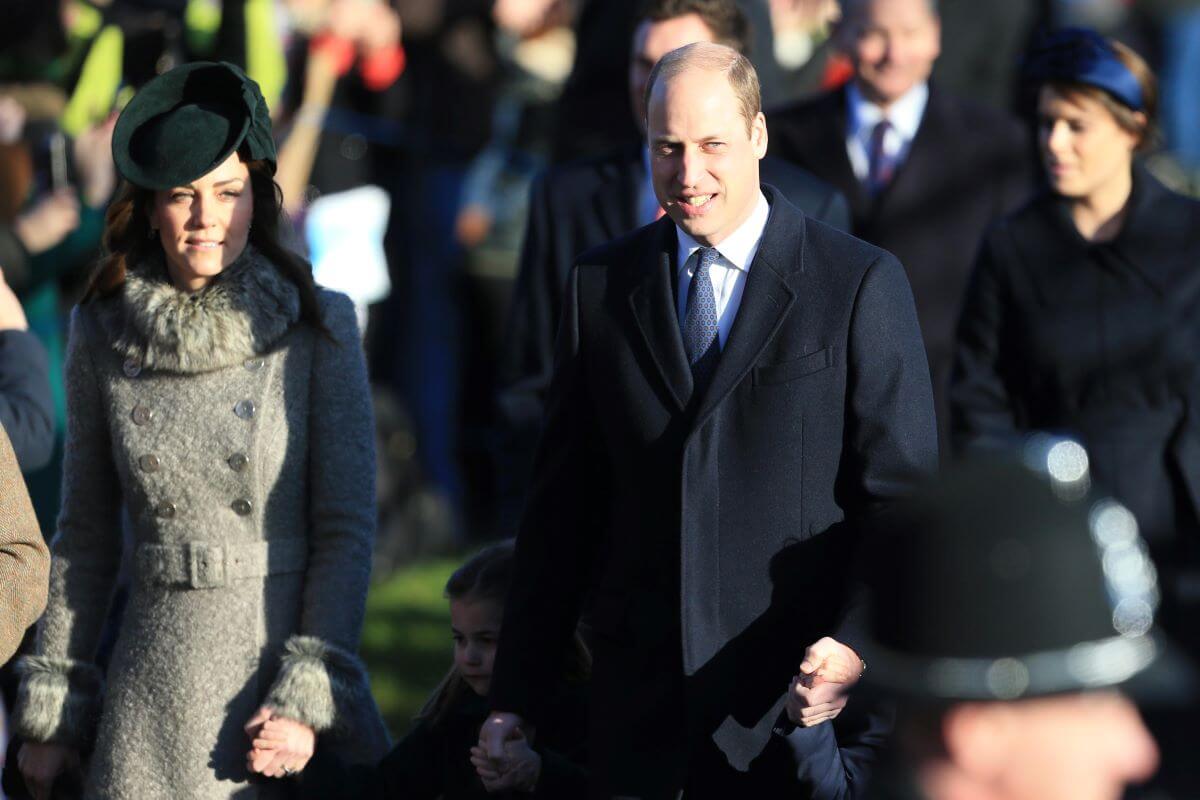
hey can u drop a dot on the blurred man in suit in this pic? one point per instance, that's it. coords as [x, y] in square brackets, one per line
[736, 387]
[577, 206]
[925, 172]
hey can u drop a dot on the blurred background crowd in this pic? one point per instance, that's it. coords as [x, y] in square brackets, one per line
[410, 133]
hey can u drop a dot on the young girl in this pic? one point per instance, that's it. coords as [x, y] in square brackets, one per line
[439, 758]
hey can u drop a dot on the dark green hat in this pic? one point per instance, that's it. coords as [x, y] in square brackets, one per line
[186, 122]
[1010, 578]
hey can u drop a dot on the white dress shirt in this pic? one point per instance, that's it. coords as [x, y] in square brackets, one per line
[862, 117]
[728, 274]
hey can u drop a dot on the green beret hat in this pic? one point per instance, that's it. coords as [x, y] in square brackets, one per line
[184, 123]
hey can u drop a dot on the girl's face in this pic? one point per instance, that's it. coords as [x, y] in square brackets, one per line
[204, 226]
[476, 628]
[1084, 149]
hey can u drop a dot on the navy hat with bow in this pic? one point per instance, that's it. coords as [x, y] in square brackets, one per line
[1080, 55]
[184, 123]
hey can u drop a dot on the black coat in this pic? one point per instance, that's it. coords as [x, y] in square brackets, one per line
[711, 533]
[968, 165]
[26, 402]
[433, 762]
[574, 208]
[1100, 341]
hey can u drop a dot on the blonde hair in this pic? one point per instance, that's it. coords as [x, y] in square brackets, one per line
[712, 57]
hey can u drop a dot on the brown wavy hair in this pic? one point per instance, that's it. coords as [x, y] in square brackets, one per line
[129, 239]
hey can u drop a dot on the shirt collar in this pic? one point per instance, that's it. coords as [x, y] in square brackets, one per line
[738, 248]
[905, 114]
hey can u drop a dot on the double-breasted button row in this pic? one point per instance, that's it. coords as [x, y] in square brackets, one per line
[238, 462]
[149, 463]
[132, 367]
[244, 409]
[141, 415]
[242, 507]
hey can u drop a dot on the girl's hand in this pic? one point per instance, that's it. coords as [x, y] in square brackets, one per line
[42, 764]
[281, 747]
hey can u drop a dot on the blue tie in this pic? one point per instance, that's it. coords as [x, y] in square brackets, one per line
[700, 322]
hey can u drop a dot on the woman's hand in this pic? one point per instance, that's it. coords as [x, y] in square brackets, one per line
[280, 747]
[42, 763]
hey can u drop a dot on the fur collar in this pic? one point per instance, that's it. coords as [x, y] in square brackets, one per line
[241, 313]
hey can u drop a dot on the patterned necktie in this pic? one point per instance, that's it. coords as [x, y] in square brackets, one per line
[881, 167]
[700, 322]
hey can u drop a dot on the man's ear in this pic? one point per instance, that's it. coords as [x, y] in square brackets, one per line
[978, 737]
[758, 135]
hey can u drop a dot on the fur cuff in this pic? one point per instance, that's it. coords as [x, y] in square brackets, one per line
[58, 700]
[319, 684]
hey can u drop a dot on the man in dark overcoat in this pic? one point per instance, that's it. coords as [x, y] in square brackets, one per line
[583, 204]
[925, 171]
[735, 387]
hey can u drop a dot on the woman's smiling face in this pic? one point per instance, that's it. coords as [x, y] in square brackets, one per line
[204, 226]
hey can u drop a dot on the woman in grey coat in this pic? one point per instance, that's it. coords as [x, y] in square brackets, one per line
[219, 407]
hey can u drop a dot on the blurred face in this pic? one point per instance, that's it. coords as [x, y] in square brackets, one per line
[1084, 150]
[1085, 746]
[476, 629]
[703, 156]
[204, 226]
[892, 45]
[652, 41]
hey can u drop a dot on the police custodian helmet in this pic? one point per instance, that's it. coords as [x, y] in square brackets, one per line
[1009, 578]
[184, 123]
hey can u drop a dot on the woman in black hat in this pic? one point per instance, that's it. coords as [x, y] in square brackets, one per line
[1084, 312]
[219, 409]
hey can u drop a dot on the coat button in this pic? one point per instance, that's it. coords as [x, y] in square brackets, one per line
[242, 507]
[238, 462]
[141, 415]
[132, 368]
[244, 409]
[149, 463]
[165, 509]
[254, 364]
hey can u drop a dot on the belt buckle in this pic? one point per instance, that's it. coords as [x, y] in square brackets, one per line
[206, 565]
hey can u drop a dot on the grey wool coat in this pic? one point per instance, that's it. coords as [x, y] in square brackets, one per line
[237, 443]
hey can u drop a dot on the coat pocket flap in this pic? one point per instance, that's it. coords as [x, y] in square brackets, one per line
[796, 368]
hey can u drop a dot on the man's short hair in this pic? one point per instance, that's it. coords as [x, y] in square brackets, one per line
[723, 17]
[712, 57]
[850, 6]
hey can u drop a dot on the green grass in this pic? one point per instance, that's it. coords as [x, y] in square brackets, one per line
[406, 639]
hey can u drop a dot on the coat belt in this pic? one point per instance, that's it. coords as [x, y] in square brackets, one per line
[211, 565]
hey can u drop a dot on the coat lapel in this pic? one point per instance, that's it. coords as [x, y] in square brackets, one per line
[766, 300]
[652, 300]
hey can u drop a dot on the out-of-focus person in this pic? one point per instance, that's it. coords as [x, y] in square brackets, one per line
[1008, 607]
[26, 402]
[217, 406]
[1082, 317]
[24, 560]
[982, 44]
[577, 206]
[925, 171]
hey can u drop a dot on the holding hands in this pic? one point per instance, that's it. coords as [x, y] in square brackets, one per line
[504, 759]
[819, 693]
[281, 747]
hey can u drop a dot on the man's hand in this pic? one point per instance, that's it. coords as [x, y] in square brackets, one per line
[811, 701]
[523, 770]
[830, 660]
[818, 693]
[500, 728]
